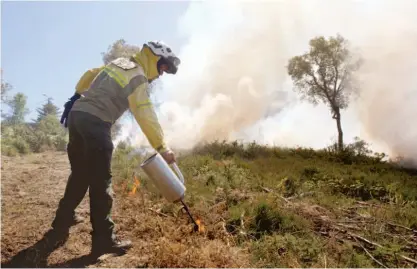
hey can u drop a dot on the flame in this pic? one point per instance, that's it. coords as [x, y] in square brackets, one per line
[200, 225]
[135, 186]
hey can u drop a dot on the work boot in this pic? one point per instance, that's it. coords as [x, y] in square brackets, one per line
[60, 223]
[113, 245]
[55, 238]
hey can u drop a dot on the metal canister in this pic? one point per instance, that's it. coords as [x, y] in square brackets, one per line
[168, 183]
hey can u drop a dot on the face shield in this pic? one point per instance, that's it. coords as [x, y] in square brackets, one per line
[172, 63]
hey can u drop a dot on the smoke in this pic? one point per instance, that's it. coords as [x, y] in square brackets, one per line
[233, 84]
[388, 108]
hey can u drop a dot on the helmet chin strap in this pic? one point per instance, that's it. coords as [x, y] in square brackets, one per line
[160, 62]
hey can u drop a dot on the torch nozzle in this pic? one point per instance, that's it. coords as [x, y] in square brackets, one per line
[189, 214]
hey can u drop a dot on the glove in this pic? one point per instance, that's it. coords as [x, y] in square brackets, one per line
[68, 105]
[169, 156]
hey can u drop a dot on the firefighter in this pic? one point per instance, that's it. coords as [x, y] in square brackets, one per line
[102, 95]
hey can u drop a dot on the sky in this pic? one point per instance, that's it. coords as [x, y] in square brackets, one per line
[47, 45]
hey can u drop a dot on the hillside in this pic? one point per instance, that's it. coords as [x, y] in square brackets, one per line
[259, 207]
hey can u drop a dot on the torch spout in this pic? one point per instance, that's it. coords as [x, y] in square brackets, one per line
[189, 214]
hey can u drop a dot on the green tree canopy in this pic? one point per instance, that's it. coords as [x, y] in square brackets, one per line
[5, 89]
[326, 73]
[18, 109]
[48, 108]
[119, 49]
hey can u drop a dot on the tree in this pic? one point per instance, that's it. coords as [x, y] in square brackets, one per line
[325, 73]
[18, 109]
[119, 49]
[49, 108]
[49, 135]
[5, 89]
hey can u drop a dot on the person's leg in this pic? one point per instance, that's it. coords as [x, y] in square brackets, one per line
[101, 193]
[77, 183]
[99, 150]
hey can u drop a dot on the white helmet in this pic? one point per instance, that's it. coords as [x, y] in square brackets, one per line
[168, 57]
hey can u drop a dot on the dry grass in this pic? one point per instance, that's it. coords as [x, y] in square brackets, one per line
[31, 189]
[260, 208]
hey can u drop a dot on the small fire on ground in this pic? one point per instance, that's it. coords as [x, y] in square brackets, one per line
[135, 185]
[200, 225]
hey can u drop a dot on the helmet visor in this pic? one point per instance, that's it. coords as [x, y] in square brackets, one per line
[173, 63]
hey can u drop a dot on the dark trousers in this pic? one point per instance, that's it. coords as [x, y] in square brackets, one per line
[90, 151]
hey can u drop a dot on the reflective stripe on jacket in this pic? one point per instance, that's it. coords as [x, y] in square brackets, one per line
[110, 90]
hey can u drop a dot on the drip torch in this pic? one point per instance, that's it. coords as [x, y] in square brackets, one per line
[168, 183]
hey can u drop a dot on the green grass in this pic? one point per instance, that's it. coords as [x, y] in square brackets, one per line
[323, 189]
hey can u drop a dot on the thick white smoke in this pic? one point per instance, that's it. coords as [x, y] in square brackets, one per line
[388, 108]
[233, 83]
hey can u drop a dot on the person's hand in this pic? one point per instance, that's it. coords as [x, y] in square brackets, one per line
[68, 105]
[169, 156]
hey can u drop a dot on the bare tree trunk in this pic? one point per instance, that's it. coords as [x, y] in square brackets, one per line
[339, 129]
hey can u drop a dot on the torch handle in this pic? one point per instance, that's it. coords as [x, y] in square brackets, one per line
[177, 170]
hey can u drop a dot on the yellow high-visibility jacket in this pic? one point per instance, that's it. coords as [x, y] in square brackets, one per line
[108, 91]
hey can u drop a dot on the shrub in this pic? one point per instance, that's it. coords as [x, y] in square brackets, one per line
[9, 150]
[21, 146]
[24, 138]
[125, 161]
[222, 150]
[282, 250]
[270, 218]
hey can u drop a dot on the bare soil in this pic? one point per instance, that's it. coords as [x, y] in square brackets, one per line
[31, 188]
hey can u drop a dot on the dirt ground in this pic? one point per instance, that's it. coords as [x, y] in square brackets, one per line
[31, 187]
